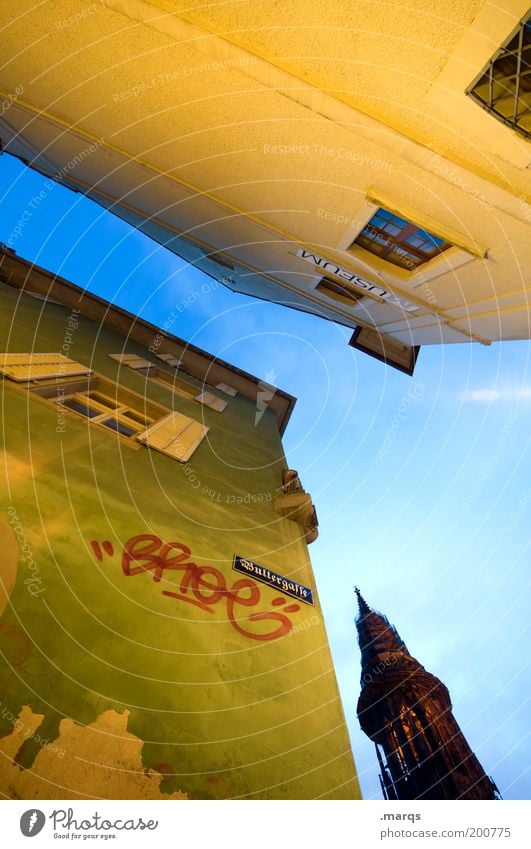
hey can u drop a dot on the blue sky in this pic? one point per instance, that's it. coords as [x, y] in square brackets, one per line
[421, 484]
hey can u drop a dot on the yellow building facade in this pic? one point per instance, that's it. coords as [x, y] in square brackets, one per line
[161, 634]
[351, 162]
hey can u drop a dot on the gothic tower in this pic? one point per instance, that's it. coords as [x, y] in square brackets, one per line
[407, 712]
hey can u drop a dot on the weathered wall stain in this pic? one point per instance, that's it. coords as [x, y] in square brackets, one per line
[102, 760]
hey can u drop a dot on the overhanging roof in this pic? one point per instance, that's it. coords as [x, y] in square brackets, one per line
[31, 279]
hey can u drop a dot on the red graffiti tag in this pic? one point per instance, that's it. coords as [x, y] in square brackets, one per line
[203, 586]
[107, 547]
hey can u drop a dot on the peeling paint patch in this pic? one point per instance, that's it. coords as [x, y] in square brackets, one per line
[102, 760]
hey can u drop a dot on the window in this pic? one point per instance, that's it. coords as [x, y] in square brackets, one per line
[171, 381]
[504, 86]
[180, 387]
[342, 292]
[92, 401]
[399, 241]
[228, 390]
[176, 384]
[176, 436]
[104, 403]
[219, 260]
[174, 362]
[383, 347]
[28, 367]
[131, 361]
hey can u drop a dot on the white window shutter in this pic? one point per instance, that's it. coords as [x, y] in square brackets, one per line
[168, 358]
[211, 401]
[131, 360]
[24, 367]
[175, 435]
[228, 390]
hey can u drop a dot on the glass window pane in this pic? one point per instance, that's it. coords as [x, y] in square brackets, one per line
[384, 235]
[390, 228]
[119, 427]
[400, 222]
[414, 240]
[80, 407]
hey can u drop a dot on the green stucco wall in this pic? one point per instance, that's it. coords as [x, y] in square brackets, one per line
[212, 711]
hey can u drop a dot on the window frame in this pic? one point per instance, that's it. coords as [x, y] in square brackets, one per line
[172, 381]
[53, 390]
[486, 77]
[60, 389]
[397, 242]
[381, 272]
[339, 291]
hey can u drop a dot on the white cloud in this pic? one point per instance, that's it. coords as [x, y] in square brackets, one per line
[490, 395]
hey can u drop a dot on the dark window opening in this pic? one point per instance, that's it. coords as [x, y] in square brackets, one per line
[342, 292]
[504, 86]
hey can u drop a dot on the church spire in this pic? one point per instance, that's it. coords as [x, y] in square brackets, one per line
[362, 604]
[379, 642]
[407, 712]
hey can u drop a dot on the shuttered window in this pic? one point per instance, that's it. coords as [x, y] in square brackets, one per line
[176, 436]
[104, 403]
[29, 367]
[228, 390]
[131, 360]
[169, 359]
[172, 381]
[111, 413]
[212, 401]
